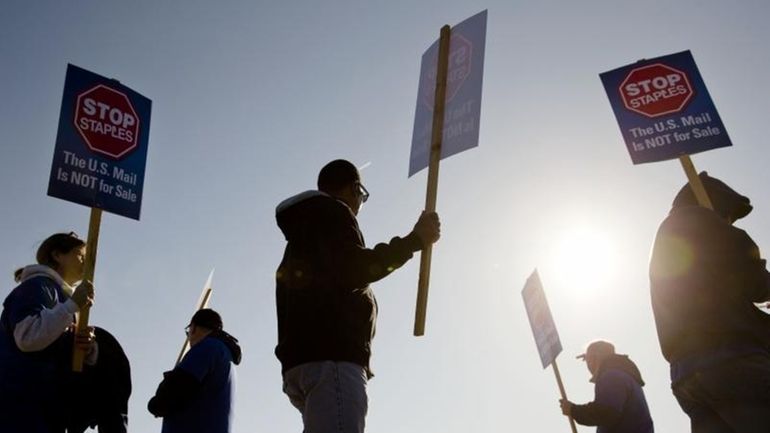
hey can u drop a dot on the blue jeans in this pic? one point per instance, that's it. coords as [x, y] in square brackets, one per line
[732, 397]
[330, 395]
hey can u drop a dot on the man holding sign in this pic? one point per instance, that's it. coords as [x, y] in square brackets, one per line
[705, 276]
[619, 405]
[326, 310]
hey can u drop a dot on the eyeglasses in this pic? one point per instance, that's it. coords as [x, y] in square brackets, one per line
[187, 330]
[364, 193]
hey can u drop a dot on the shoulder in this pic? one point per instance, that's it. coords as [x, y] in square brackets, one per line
[37, 289]
[209, 348]
[614, 377]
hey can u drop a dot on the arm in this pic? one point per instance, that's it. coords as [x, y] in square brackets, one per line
[174, 393]
[756, 280]
[38, 331]
[182, 385]
[609, 399]
[357, 265]
[36, 325]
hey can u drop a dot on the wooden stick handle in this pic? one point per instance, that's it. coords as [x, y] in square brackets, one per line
[88, 275]
[204, 303]
[695, 183]
[562, 392]
[433, 166]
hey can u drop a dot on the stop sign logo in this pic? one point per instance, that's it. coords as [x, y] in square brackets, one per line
[656, 90]
[458, 69]
[107, 121]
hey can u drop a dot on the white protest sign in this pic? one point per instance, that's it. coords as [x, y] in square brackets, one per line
[540, 319]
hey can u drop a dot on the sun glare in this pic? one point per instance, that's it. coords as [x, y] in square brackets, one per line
[583, 260]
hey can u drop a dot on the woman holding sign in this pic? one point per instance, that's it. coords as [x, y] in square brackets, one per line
[38, 392]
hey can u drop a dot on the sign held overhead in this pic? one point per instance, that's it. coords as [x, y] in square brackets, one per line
[664, 109]
[101, 145]
[462, 111]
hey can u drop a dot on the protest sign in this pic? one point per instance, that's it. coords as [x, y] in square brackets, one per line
[99, 157]
[455, 75]
[101, 145]
[462, 111]
[664, 109]
[544, 330]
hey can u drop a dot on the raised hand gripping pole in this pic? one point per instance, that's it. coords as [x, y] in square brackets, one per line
[88, 275]
[435, 157]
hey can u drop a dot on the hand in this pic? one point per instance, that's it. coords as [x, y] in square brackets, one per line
[85, 340]
[428, 228]
[84, 294]
[566, 407]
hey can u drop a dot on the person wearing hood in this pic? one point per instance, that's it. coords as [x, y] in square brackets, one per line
[39, 393]
[326, 310]
[197, 395]
[705, 277]
[619, 404]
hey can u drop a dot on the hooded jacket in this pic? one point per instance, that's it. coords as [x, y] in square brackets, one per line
[705, 276]
[619, 404]
[326, 310]
[196, 396]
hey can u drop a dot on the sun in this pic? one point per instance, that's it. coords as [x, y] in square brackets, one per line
[583, 260]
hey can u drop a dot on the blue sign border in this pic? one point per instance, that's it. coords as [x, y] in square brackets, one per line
[695, 128]
[82, 176]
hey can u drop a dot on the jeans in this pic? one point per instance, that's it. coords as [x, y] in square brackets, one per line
[330, 395]
[732, 397]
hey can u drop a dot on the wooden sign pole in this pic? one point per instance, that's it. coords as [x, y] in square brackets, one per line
[563, 393]
[435, 157]
[204, 302]
[695, 182]
[88, 275]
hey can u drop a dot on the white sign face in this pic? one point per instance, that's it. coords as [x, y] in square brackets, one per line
[540, 319]
[462, 109]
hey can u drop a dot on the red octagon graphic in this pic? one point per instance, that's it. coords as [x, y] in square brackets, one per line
[655, 90]
[458, 69]
[107, 122]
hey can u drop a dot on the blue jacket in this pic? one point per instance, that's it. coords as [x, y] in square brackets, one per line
[619, 405]
[196, 397]
[30, 381]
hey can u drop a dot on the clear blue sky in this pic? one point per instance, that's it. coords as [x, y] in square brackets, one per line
[251, 98]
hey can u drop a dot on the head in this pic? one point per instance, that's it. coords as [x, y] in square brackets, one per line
[728, 203]
[596, 353]
[203, 323]
[341, 180]
[64, 253]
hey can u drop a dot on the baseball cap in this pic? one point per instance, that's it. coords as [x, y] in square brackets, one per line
[598, 347]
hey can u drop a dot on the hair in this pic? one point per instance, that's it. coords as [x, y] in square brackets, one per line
[207, 318]
[336, 175]
[61, 243]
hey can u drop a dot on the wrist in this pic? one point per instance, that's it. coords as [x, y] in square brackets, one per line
[414, 241]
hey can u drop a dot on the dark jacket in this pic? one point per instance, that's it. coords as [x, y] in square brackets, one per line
[326, 310]
[705, 275]
[619, 405]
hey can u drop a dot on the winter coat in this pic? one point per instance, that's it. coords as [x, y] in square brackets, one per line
[705, 276]
[326, 310]
[197, 395]
[31, 381]
[619, 404]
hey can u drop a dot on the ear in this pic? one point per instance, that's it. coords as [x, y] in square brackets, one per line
[56, 256]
